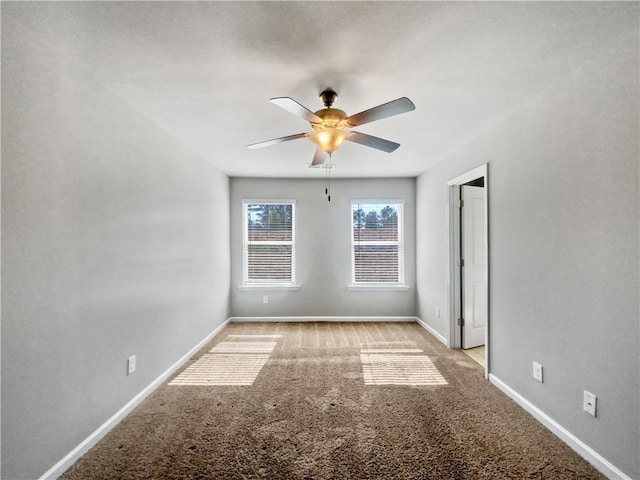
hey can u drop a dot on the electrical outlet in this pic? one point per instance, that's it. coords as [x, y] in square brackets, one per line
[589, 403]
[131, 364]
[265, 299]
[437, 312]
[537, 371]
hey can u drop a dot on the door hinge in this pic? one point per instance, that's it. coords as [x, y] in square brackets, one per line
[461, 322]
[462, 262]
[460, 203]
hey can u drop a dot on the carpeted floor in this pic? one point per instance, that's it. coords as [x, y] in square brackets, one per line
[329, 401]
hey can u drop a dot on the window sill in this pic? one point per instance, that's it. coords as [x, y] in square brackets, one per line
[268, 286]
[378, 287]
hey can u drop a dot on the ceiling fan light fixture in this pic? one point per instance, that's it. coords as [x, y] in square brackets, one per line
[328, 139]
[331, 126]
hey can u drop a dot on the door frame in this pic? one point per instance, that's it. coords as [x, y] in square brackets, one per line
[453, 247]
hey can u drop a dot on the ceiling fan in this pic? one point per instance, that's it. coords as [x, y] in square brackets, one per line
[331, 126]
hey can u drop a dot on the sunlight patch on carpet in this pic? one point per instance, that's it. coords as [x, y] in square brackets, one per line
[231, 369]
[237, 362]
[391, 350]
[389, 344]
[399, 369]
[244, 347]
[243, 337]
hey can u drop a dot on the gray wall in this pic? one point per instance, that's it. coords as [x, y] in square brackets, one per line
[563, 198]
[115, 242]
[323, 249]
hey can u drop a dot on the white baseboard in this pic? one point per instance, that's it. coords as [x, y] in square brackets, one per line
[581, 448]
[432, 331]
[322, 319]
[75, 454]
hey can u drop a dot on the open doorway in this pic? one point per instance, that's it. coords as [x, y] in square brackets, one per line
[468, 269]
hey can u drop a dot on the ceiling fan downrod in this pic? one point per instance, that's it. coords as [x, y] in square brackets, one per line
[328, 97]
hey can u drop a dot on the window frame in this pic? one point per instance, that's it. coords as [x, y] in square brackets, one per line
[400, 284]
[257, 283]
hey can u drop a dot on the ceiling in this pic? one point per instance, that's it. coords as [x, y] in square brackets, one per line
[204, 71]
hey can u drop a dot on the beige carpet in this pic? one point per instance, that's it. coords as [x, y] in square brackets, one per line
[329, 401]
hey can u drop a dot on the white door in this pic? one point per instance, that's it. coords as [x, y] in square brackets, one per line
[474, 286]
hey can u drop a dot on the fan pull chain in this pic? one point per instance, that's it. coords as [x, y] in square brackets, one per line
[327, 189]
[326, 180]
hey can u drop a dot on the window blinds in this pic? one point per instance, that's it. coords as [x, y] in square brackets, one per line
[269, 247]
[377, 243]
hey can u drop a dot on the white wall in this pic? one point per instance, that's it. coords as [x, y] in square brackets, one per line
[115, 242]
[323, 249]
[563, 199]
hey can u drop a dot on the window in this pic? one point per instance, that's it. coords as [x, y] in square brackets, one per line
[269, 242]
[377, 243]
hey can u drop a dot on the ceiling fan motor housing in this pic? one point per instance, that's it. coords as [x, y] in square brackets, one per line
[331, 117]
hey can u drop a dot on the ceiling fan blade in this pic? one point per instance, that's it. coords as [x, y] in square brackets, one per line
[290, 105]
[319, 158]
[373, 142]
[277, 140]
[389, 109]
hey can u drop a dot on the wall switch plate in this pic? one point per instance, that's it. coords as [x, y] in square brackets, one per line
[537, 371]
[589, 403]
[437, 312]
[265, 299]
[131, 365]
